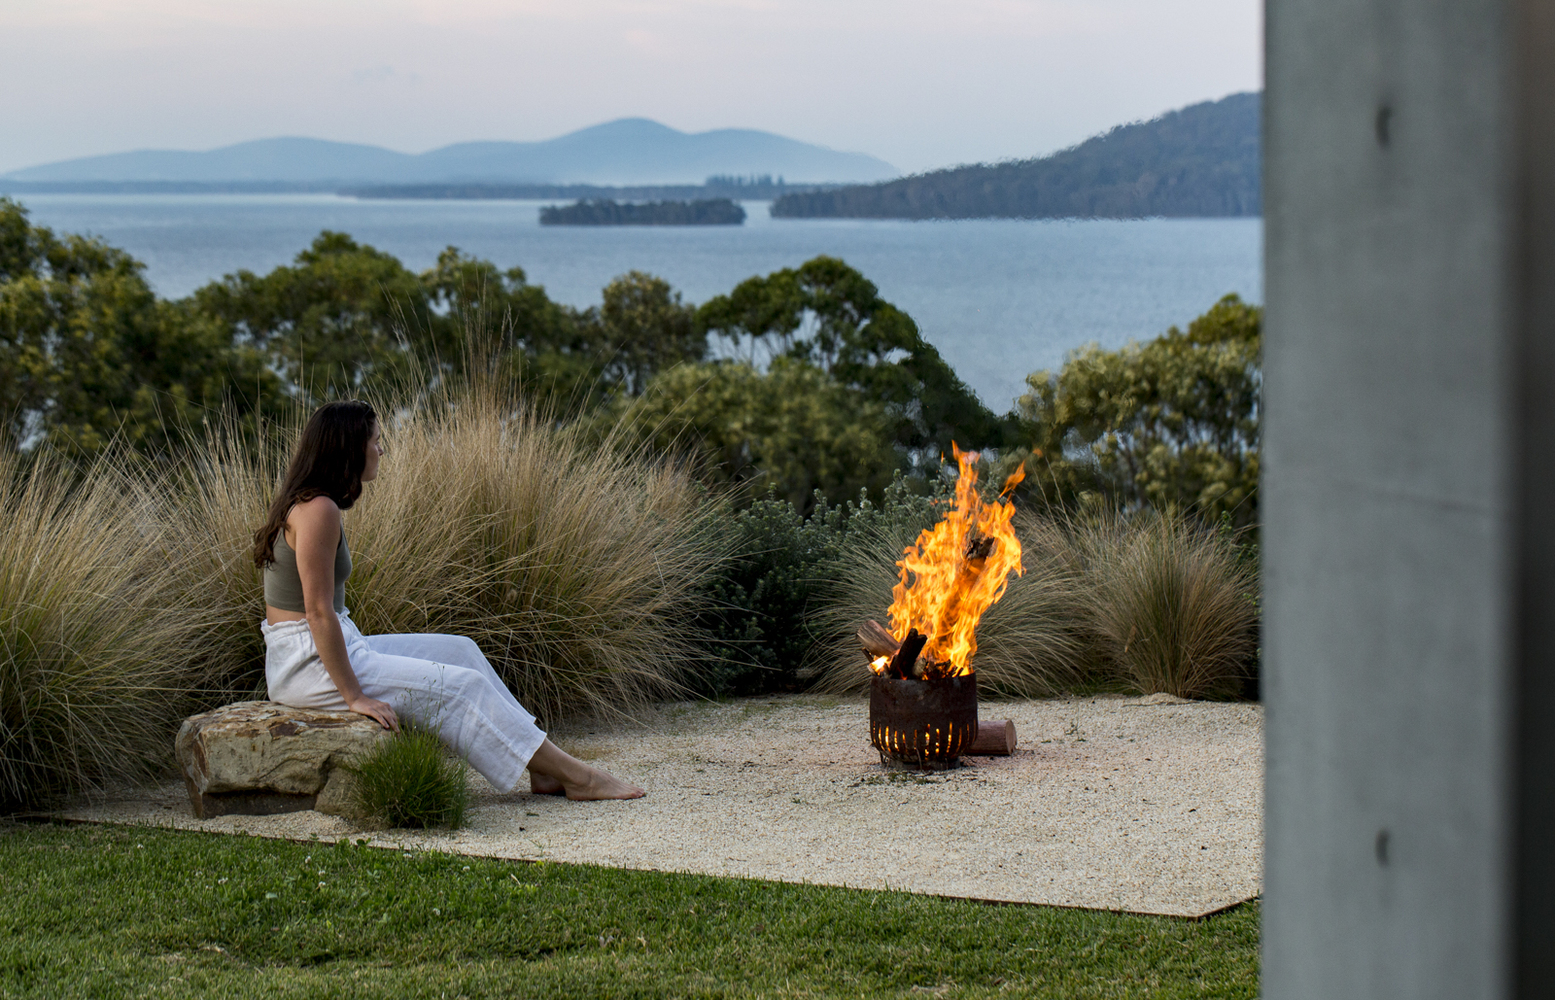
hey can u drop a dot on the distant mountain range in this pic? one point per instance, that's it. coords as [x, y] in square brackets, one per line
[1200, 161]
[626, 151]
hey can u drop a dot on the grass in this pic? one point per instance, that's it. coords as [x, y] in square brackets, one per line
[101, 911]
[128, 598]
[411, 780]
[576, 567]
[220, 495]
[98, 640]
[1170, 603]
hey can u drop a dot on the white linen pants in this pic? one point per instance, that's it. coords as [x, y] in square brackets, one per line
[440, 681]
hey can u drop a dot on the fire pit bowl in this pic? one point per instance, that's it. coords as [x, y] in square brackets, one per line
[922, 725]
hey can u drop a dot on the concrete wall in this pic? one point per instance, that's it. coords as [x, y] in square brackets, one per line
[1407, 499]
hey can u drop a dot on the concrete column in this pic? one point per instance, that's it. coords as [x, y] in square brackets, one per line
[1409, 499]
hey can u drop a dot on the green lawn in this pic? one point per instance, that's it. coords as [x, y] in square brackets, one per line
[121, 912]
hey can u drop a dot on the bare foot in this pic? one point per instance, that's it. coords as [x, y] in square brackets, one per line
[542, 784]
[554, 772]
[602, 785]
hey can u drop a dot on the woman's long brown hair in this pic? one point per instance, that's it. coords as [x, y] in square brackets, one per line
[330, 458]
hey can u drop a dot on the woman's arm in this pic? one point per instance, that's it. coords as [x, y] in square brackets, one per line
[316, 527]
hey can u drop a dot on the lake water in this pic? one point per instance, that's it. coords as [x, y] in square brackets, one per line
[999, 298]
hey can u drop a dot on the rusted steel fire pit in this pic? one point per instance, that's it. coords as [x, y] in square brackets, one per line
[924, 725]
[923, 696]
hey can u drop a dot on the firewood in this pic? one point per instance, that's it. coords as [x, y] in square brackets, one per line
[995, 738]
[903, 662]
[877, 641]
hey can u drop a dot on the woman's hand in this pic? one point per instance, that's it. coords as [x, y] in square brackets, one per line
[375, 709]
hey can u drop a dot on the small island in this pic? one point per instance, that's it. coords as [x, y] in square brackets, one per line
[604, 212]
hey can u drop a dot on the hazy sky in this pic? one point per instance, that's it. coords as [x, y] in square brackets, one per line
[920, 83]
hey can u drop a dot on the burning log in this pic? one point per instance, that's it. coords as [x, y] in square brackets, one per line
[923, 696]
[877, 641]
[995, 738]
[955, 571]
[904, 663]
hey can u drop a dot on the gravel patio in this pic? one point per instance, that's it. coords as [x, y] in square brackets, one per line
[1142, 805]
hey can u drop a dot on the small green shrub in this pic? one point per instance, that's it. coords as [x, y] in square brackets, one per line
[1172, 605]
[769, 601]
[411, 780]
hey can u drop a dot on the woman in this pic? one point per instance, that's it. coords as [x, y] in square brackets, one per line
[315, 657]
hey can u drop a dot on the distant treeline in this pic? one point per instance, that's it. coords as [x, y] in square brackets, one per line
[761, 187]
[758, 188]
[1200, 161]
[603, 212]
[14, 187]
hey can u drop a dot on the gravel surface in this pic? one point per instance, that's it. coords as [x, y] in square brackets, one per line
[1146, 805]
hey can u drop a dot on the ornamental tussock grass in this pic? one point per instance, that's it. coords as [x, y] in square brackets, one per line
[576, 565]
[1156, 603]
[1170, 605]
[412, 780]
[100, 641]
[128, 597]
[1031, 644]
[219, 495]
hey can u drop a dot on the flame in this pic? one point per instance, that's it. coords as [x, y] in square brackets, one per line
[878, 664]
[956, 571]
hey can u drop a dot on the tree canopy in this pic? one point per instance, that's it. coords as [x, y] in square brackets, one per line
[341, 315]
[792, 429]
[828, 315]
[823, 385]
[89, 354]
[641, 327]
[1170, 422]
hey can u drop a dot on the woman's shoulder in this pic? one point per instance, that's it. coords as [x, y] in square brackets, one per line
[319, 506]
[319, 513]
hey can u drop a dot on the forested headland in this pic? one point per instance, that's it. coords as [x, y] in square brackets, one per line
[1200, 161]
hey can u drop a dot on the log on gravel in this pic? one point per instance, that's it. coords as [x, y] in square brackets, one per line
[995, 738]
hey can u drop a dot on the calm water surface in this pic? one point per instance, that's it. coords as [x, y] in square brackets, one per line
[999, 298]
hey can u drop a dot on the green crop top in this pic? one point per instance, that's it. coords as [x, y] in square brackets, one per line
[283, 584]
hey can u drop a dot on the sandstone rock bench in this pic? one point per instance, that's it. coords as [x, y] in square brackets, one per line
[257, 758]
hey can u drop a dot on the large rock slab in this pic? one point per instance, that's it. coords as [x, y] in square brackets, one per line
[260, 758]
